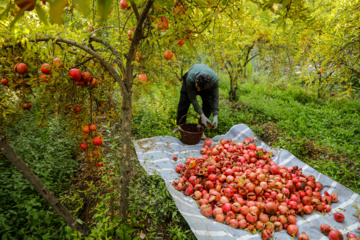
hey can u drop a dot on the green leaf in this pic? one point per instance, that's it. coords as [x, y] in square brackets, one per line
[191, 47]
[6, 11]
[56, 10]
[42, 14]
[84, 6]
[104, 8]
[285, 3]
[17, 17]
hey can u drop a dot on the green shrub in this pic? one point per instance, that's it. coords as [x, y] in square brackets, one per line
[24, 214]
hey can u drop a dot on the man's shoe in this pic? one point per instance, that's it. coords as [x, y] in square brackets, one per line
[176, 130]
[203, 137]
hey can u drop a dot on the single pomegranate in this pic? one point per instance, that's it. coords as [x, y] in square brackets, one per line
[178, 10]
[83, 146]
[325, 229]
[45, 68]
[206, 210]
[21, 68]
[28, 5]
[97, 141]
[335, 235]
[168, 55]
[92, 127]
[58, 63]
[350, 235]
[87, 77]
[163, 24]
[181, 42]
[220, 218]
[94, 82]
[130, 33]
[175, 158]
[75, 74]
[334, 197]
[77, 109]
[27, 106]
[142, 77]
[292, 230]
[207, 142]
[100, 164]
[303, 236]
[251, 217]
[124, 4]
[4, 81]
[339, 217]
[266, 234]
[86, 129]
[138, 56]
[45, 78]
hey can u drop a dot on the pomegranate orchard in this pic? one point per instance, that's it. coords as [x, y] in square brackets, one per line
[240, 185]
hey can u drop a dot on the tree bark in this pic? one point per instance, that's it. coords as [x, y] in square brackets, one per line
[25, 170]
[126, 114]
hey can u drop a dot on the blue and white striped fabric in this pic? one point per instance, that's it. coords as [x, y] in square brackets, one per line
[156, 157]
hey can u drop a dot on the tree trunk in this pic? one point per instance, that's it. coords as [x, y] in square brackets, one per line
[126, 113]
[25, 170]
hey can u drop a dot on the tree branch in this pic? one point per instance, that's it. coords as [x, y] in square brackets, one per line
[113, 50]
[135, 9]
[105, 63]
[133, 46]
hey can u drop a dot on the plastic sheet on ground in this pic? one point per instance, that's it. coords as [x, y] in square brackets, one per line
[156, 157]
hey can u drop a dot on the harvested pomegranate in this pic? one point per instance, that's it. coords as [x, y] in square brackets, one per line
[335, 235]
[339, 217]
[239, 184]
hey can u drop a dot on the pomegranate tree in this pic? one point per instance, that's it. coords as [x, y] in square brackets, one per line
[240, 185]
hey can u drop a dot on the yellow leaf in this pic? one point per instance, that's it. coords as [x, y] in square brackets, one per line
[56, 10]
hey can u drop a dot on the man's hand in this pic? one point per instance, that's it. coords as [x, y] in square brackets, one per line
[214, 122]
[204, 120]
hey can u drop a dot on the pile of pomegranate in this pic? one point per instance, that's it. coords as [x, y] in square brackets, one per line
[239, 184]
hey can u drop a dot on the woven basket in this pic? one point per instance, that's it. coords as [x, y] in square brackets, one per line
[190, 132]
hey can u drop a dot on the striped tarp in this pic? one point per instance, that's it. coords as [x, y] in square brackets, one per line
[156, 157]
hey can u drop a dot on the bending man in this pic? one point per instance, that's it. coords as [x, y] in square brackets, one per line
[200, 80]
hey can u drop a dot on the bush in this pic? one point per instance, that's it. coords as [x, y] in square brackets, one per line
[24, 214]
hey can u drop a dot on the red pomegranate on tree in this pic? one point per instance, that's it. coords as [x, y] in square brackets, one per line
[87, 77]
[163, 24]
[58, 63]
[124, 4]
[130, 33]
[27, 106]
[4, 81]
[92, 127]
[178, 10]
[138, 57]
[143, 77]
[45, 78]
[94, 82]
[21, 68]
[28, 5]
[181, 42]
[97, 141]
[86, 129]
[75, 74]
[168, 55]
[83, 146]
[46, 68]
[77, 109]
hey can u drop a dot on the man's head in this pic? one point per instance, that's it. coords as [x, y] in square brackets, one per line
[203, 81]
